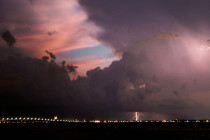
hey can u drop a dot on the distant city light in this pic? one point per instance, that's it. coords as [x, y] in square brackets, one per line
[55, 120]
[55, 117]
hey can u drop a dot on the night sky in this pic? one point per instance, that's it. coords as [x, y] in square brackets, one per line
[146, 56]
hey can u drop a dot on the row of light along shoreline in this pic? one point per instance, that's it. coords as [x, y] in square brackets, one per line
[55, 119]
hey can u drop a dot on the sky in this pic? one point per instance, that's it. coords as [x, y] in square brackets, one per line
[147, 56]
[57, 26]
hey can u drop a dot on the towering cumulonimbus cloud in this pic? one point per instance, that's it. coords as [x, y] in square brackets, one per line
[163, 68]
[128, 21]
[159, 76]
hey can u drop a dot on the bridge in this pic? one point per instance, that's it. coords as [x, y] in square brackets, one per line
[31, 120]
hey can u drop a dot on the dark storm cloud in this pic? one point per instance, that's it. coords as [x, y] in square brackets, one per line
[155, 76]
[127, 21]
[157, 73]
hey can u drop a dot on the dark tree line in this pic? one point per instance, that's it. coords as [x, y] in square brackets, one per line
[54, 68]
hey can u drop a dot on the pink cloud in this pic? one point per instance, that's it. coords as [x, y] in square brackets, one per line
[53, 25]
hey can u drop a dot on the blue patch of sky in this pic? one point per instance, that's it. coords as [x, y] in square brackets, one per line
[99, 52]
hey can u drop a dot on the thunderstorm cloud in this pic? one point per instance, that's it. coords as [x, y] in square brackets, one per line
[163, 71]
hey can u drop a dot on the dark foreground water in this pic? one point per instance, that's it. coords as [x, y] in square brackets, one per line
[101, 131]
